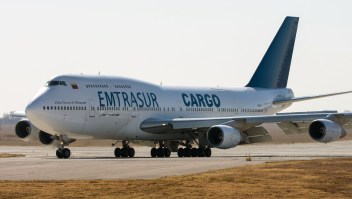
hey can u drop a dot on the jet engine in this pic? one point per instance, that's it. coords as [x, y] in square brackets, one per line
[324, 130]
[28, 132]
[223, 136]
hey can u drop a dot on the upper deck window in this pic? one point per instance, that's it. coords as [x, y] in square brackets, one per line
[55, 83]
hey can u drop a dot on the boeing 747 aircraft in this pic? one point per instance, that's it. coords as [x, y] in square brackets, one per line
[189, 121]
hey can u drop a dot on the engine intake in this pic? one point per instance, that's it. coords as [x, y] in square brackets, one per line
[324, 130]
[223, 136]
[46, 138]
[26, 131]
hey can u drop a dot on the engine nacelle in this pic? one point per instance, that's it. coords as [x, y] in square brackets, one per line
[53, 140]
[223, 136]
[26, 131]
[48, 139]
[324, 130]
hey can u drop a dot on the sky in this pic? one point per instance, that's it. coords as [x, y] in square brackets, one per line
[179, 43]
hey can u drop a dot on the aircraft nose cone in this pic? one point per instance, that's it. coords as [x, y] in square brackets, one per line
[33, 110]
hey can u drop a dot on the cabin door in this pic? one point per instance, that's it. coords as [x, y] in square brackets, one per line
[91, 108]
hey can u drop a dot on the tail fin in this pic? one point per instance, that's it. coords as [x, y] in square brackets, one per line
[274, 68]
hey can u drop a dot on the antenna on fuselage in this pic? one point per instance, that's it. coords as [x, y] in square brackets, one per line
[99, 73]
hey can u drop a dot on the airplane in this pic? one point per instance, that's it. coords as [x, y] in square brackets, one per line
[189, 121]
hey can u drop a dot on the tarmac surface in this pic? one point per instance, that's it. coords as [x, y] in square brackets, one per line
[40, 163]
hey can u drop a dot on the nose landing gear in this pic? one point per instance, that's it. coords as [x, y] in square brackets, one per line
[63, 153]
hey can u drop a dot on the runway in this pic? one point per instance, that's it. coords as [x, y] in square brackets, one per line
[40, 163]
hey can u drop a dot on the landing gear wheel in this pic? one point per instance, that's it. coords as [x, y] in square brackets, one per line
[124, 152]
[131, 152]
[59, 153]
[165, 151]
[117, 152]
[168, 153]
[160, 152]
[194, 152]
[180, 152]
[187, 152]
[66, 153]
[201, 152]
[63, 153]
[153, 152]
[207, 152]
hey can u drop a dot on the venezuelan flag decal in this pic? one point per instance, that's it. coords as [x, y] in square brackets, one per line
[74, 86]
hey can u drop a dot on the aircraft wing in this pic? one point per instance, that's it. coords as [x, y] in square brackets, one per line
[289, 122]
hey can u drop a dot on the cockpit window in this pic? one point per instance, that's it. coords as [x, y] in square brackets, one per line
[55, 83]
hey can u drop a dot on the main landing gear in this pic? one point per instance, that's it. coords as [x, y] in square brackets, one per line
[62, 141]
[194, 152]
[63, 153]
[125, 151]
[165, 149]
[161, 152]
[189, 151]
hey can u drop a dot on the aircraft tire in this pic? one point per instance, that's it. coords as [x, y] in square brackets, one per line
[66, 153]
[131, 152]
[187, 152]
[124, 152]
[194, 152]
[208, 152]
[201, 152]
[167, 153]
[160, 152]
[180, 152]
[153, 152]
[117, 152]
[59, 153]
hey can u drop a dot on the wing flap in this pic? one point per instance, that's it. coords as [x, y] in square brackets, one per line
[257, 135]
[294, 127]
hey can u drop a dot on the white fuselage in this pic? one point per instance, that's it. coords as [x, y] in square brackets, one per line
[106, 107]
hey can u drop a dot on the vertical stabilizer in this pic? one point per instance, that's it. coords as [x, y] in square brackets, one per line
[274, 68]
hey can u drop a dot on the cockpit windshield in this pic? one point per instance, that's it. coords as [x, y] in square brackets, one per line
[55, 83]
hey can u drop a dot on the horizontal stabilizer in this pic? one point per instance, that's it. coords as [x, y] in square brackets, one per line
[18, 114]
[299, 99]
